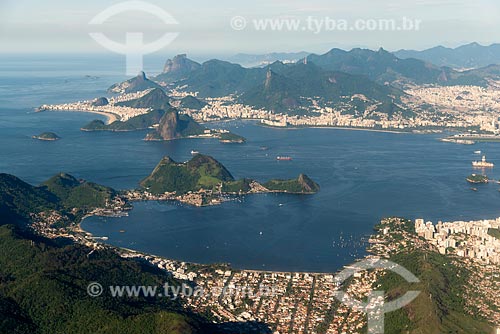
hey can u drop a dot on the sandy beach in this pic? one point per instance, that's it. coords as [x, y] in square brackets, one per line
[110, 117]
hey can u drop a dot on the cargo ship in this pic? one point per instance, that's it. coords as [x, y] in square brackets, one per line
[280, 158]
[483, 163]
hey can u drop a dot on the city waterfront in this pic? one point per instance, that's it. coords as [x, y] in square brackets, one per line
[364, 176]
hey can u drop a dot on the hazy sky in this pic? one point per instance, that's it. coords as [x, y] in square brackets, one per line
[35, 26]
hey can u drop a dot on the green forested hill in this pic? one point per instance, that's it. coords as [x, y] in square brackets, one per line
[43, 290]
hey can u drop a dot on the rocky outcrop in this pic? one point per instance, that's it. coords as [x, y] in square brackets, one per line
[173, 125]
[136, 84]
[178, 68]
[100, 102]
[180, 64]
[169, 126]
[308, 185]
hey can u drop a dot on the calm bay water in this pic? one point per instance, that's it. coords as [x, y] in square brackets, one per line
[364, 176]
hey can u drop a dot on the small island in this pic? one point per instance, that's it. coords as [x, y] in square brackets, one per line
[231, 138]
[205, 181]
[47, 136]
[477, 178]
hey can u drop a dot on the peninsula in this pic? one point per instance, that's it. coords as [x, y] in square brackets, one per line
[205, 181]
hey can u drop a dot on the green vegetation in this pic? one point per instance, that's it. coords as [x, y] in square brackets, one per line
[477, 178]
[238, 186]
[43, 282]
[47, 136]
[204, 172]
[191, 102]
[155, 99]
[18, 199]
[440, 307]
[140, 122]
[73, 193]
[200, 172]
[216, 78]
[229, 137]
[302, 185]
[43, 290]
[494, 232]
[286, 89]
[62, 192]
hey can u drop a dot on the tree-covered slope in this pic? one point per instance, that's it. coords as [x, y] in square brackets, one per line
[73, 193]
[440, 307]
[301, 185]
[140, 122]
[43, 290]
[200, 172]
[155, 99]
[18, 199]
[289, 87]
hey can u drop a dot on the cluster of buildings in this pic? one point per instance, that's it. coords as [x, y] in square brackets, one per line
[466, 105]
[471, 239]
[450, 112]
[452, 107]
[111, 109]
[286, 302]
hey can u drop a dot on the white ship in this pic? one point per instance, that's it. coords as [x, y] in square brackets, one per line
[194, 152]
[483, 163]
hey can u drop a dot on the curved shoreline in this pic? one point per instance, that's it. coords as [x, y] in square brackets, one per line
[110, 117]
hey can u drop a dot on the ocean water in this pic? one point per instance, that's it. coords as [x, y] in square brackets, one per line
[364, 176]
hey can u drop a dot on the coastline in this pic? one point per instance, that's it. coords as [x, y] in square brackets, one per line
[357, 129]
[257, 122]
[121, 250]
[110, 117]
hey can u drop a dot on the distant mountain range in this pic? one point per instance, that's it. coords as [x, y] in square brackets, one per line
[281, 87]
[472, 55]
[354, 81]
[292, 87]
[386, 68]
[250, 60]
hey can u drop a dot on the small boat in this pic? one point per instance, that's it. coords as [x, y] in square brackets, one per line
[194, 152]
[473, 189]
[283, 158]
[477, 152]
[483, 163]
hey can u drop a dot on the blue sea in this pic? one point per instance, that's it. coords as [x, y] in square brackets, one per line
[364, 176]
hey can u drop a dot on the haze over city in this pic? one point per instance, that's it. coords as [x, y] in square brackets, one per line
[57, 26]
